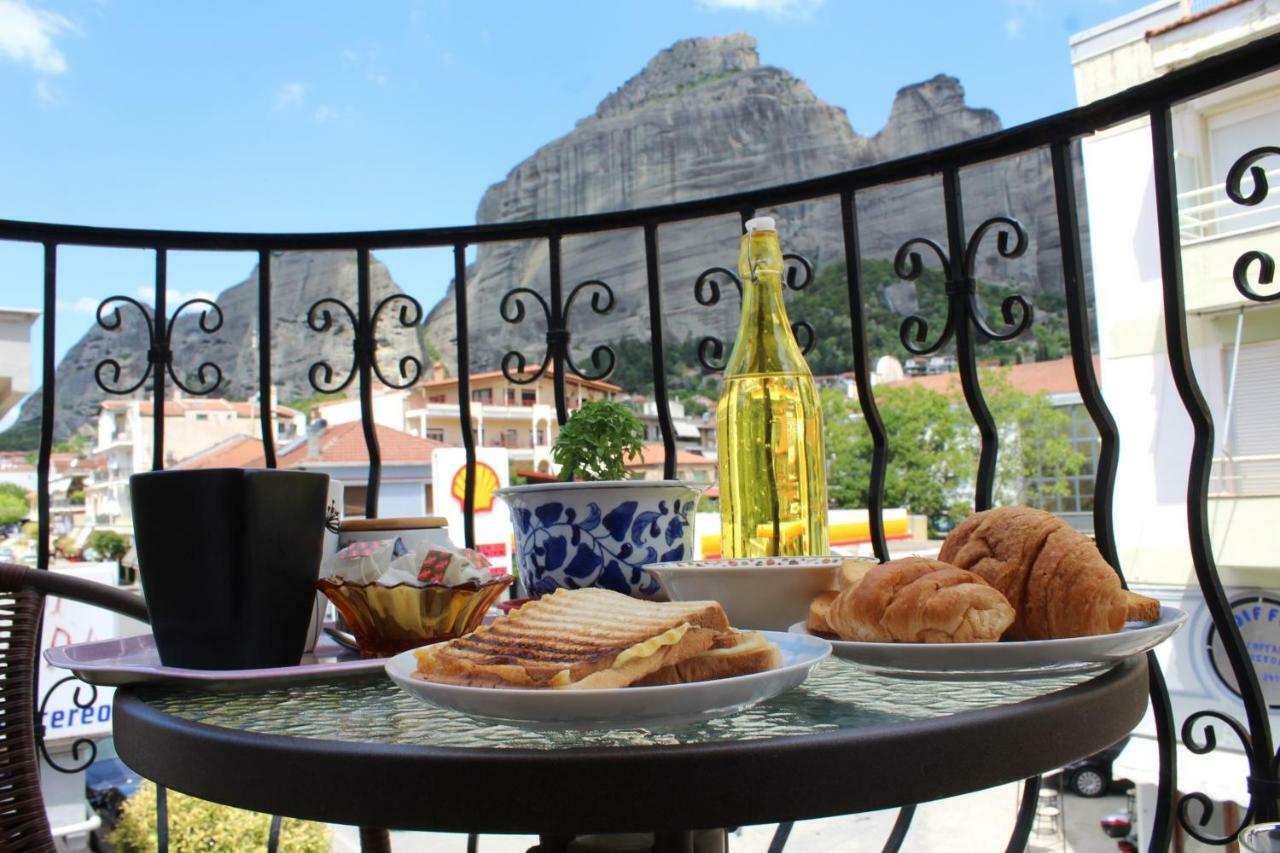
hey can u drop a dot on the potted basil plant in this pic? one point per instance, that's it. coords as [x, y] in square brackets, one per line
[595, 526]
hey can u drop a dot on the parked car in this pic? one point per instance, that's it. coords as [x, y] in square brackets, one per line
[7, 555]
[108, 782]
[1091, 777]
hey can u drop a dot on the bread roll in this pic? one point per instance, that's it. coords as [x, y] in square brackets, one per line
[1053, 575]
[917, 600]
[818, 612]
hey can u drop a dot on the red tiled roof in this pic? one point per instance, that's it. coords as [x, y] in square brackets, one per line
[654, 454]
[239, 451]
[1051, 377]
[568, 377]
[344, 444]
[175, 408]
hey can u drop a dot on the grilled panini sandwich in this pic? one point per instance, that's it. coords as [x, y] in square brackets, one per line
[582, 638]
[734, 653]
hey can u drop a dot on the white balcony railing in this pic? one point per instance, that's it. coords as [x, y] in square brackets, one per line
[1206, 213]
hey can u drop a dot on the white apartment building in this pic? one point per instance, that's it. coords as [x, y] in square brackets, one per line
[15, 355]
[192, 425]
[1235, 348]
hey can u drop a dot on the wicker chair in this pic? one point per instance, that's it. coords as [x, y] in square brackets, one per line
[23, 825]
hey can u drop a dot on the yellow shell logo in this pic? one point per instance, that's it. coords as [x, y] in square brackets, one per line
[486, 482]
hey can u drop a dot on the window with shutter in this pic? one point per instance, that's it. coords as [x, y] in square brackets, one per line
[1250, 464]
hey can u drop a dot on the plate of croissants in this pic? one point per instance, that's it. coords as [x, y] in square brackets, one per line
[1014, 592]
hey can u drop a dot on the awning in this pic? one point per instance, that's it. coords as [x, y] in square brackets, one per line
[684, 429]
[1219, 775]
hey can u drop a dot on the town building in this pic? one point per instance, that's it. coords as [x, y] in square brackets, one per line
[1235, 346]
[192, 425]
[15, 355]
[340, 451]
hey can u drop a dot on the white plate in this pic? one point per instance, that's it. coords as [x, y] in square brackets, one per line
[997, 661]
[626, 707]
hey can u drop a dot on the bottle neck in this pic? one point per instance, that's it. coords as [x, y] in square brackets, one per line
[765, 343]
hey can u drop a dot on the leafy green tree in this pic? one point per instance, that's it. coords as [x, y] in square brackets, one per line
[109, 544]
[15, 503]
[13, 510]
[927, 450]
[933, 447]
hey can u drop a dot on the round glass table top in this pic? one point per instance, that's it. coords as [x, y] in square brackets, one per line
[838, 695]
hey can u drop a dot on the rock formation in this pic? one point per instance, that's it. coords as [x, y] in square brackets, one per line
[704, 118]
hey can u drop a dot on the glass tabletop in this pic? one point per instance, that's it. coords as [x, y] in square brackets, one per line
[837, 695]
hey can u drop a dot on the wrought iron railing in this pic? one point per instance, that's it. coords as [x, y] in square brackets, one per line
[966, 324]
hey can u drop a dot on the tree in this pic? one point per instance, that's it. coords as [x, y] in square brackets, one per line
[109, 544]
[927, 450]
[933, 447]
[15, 505]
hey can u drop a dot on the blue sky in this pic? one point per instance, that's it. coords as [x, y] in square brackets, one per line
[313, 115]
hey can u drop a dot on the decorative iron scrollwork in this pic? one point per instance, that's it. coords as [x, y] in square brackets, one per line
[79, 743]
[797, 275]
[159, 351]
[364, 342]
[1016, 310]
[1194, 825]
[603, 359]
[1235, 191]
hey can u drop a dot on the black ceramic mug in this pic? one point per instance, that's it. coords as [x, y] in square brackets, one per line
[229, 559]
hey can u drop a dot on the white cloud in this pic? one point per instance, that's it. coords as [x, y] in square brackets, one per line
[83, 305]
[1019, 11]
[290, 95]
[325, 113]
[172, 297]
[776, 8]
[27, 36]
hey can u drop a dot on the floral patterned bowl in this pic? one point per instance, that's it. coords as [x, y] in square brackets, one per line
[387, 620]
[601, 534]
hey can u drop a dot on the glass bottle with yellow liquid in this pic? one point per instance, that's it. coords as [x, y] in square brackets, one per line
[773, 485]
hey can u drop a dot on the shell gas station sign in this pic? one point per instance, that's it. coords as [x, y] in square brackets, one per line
[448, 493]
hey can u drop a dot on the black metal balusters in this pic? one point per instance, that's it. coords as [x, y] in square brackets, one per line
[1256, 740]
[266, 404]
[464, 389]
[964, 315]
[862, 378]
[556, 313]
[48, 371]
[1235, 191]
[365, 352]
[159, 326]
[657, 350]
[1108, 461]
[364, 359]
[557, 334]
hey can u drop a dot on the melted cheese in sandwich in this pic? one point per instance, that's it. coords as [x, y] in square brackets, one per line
[749, 643]
[640, 650]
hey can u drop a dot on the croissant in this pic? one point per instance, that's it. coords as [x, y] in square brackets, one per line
[1053, 575]
[917, 600]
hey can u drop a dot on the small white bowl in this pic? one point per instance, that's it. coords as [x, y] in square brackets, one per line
[769, 593]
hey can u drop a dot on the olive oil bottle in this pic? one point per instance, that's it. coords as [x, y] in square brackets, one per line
[773, 486]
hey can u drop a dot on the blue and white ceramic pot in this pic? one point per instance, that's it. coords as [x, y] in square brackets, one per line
[600, 534]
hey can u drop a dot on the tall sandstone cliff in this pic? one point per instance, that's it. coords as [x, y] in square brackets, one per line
[704, 118]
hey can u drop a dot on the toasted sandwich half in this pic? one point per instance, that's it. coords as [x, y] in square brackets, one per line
[734, 653]
[582, 638]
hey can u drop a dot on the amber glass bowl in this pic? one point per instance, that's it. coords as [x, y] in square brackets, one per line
[387, 620]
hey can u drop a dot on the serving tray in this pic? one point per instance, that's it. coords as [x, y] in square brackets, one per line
[134, 660]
